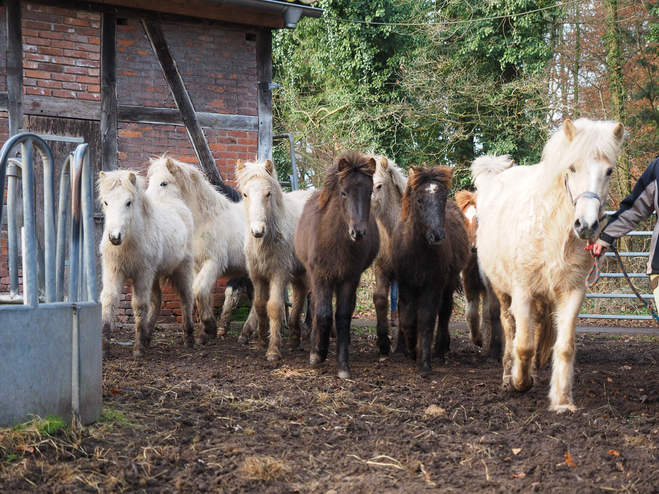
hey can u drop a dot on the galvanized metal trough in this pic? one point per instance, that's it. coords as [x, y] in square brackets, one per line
[50, 343]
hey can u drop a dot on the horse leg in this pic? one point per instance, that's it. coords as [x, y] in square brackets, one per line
[275, 308]
[346, 298]
[232, 293]
[154, 310]
[426, 319]
[508, 326]
[113, 284]
[308, 318]
[567, 310]
[381, 303]
[250, 328]
[140, 303]
[203, 294]
[492, 327]
[300, 291]
[182, 280]
[444, 316]
[471, 314]
[407, 322]
[523, 308]
[322, 322]
[261, 289]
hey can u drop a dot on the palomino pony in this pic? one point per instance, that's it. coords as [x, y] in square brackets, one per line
[336, 240]
[149, 240]
[430, 250]
[219, 232]
[389, 184]
[272, 216]
[534, 223]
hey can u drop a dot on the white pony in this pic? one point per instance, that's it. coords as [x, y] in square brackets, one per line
[219, 232]
[533, 225]
[272, 219]
[149, 240]
[389, 183]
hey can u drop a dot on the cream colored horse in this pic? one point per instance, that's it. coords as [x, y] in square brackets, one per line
[533, 225]
[149, 240]
[272, 217]
[389, 183]
[219, 233]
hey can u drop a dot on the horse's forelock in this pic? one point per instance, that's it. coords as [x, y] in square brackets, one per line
[113, 179]
[255, 169]
[464, 199]
[439, 174]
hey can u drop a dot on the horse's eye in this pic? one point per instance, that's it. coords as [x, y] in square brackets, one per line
[344, 193]
[573, 169]
[129, 203]
[163, 183]
[378, 186]
[105, 202]
[244, 195]
[609, 172]
[268, 194]
[418, 200]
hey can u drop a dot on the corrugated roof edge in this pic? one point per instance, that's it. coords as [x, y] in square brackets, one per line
[292, 11]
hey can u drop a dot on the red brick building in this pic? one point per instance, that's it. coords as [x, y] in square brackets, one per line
[139, 78]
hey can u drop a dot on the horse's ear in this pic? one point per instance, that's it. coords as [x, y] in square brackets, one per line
[371, 166]
[169, 163]
[240, 165]
[384, 162]
[132, 177]
[101, 175]
[570, 130]
[343, 164]
[269, 166]
[410, 172]
[619, 132]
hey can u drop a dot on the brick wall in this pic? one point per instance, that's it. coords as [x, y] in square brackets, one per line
[218, 65]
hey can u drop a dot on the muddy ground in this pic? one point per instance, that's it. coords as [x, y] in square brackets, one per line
[220, 418]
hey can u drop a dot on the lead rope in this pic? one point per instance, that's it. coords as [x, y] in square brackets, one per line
[590, 281]
[638, 295]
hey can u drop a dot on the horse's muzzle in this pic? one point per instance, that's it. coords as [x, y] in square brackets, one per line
[585, 231]
[258, 232]
[357, 234]
[436, 237]
[115, 239]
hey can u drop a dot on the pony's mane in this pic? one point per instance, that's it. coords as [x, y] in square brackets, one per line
[593, 138]
[356, 163]
[421, 175]
[490, 164]
[465, 199]
[392, 173]
[109, 180]
[255, 169]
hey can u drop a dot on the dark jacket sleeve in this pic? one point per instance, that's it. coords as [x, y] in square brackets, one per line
[634, 208]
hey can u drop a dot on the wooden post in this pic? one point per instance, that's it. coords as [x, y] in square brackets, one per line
[264, 77]
[176, 85]
[14, 66]
[109, 147]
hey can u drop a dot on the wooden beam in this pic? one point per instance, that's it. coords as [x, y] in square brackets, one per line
[109, 146]
[14, 66]
[176, 85]
[91, 110]
[264, 77]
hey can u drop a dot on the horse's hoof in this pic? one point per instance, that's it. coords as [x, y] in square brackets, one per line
[523, 386]
[385, 346]
[570, 407]
[294, 343]
[316, 359]
[506, 385]
[243, 340]
[189, 343]
[439, 358]
[202, 339]
[344, 374]
[221, 332]
[139, 350]
[424, 369]
[477, 341]
[273, 357]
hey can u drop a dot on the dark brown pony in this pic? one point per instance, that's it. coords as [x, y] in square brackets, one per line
[484, 326]
[337, 239]
[430, 248]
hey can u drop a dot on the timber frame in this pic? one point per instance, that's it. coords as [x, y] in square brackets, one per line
[264, 15]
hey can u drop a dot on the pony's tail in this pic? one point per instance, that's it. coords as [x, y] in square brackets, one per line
[485, 168]
[544, 333]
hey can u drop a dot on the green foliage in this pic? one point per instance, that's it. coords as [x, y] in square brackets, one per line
[49, 426]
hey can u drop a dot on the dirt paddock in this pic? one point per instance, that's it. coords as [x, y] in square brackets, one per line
[220, 418]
